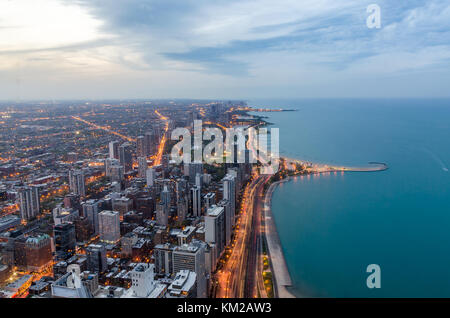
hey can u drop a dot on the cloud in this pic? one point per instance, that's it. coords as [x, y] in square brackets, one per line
[259, 45]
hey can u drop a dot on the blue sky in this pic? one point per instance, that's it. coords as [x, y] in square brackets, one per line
[57, 49]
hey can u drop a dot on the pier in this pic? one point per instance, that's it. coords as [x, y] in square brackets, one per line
[321, 168]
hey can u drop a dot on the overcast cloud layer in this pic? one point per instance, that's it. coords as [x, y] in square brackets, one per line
[60, 49]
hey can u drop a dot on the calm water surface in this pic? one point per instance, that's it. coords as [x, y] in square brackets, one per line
[332, 226]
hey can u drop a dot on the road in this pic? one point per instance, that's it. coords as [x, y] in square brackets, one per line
[253, 285]
[237, 278]
[162, 144]
[107, 129]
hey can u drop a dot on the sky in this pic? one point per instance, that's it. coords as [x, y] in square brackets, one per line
[222, 49]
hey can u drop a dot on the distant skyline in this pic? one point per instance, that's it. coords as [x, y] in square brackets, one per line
[222, 49]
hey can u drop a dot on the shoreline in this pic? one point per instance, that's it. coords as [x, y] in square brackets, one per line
[280, 272]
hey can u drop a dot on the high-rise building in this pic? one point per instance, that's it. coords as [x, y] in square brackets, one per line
[146, 206]
[62, 215]
[162, 254]
[29, 202]
[83, 229]
[141, 149]
[126, 244]
[199, 180]
[165, 197]
[182, 208]
[209, 199]
[237, 173]
[33, 253]
[91, 210]
[77, 182]
[192, 257]
[114, 170]
[125, 156]
[228, 226]
[71, 201]
[163, 208]
[151, 142]
[150, 174]
[196, 201]
[215, 228]
[229, 193]
[142, 280]
[64, 238]
[114, 150]
[122, 205]
[142, 167]
[96, 258]
[109, 226]
[192, 169]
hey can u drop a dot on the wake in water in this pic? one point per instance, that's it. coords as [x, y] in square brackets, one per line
[437, 159]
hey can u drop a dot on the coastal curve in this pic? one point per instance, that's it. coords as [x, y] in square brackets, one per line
[281, 277]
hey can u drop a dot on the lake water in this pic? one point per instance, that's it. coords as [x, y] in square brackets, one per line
[333, 226]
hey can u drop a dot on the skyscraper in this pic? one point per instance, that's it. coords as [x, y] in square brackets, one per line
[192, 169]
[114, 150]
[162, 254]
[33, 252]
[29, 202]
[228, 226]
[199, 180]
[229, 193]
[114, 170]
[141, 149]
[125, 156]
[192, 257]
[90, 210]
[96, 258]
[109, 226]
[77, 182]
[209, 199]
[64, 238]
[151, 142]
[163, 208]
[182, 208]
[162, 218]
[196, 201]
[142, 167]
[215, 228]
[150, 177]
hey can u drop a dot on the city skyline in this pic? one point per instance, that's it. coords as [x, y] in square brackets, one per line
[215, 149]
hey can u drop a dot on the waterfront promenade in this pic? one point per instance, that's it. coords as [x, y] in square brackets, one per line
[280, 273]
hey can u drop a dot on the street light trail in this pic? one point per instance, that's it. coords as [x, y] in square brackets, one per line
[162, 144]
[104, 128]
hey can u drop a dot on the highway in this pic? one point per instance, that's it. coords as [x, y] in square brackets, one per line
[237, 278]
[253, 285]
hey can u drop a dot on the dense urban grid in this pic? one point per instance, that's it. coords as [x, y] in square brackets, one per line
[93, 206]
